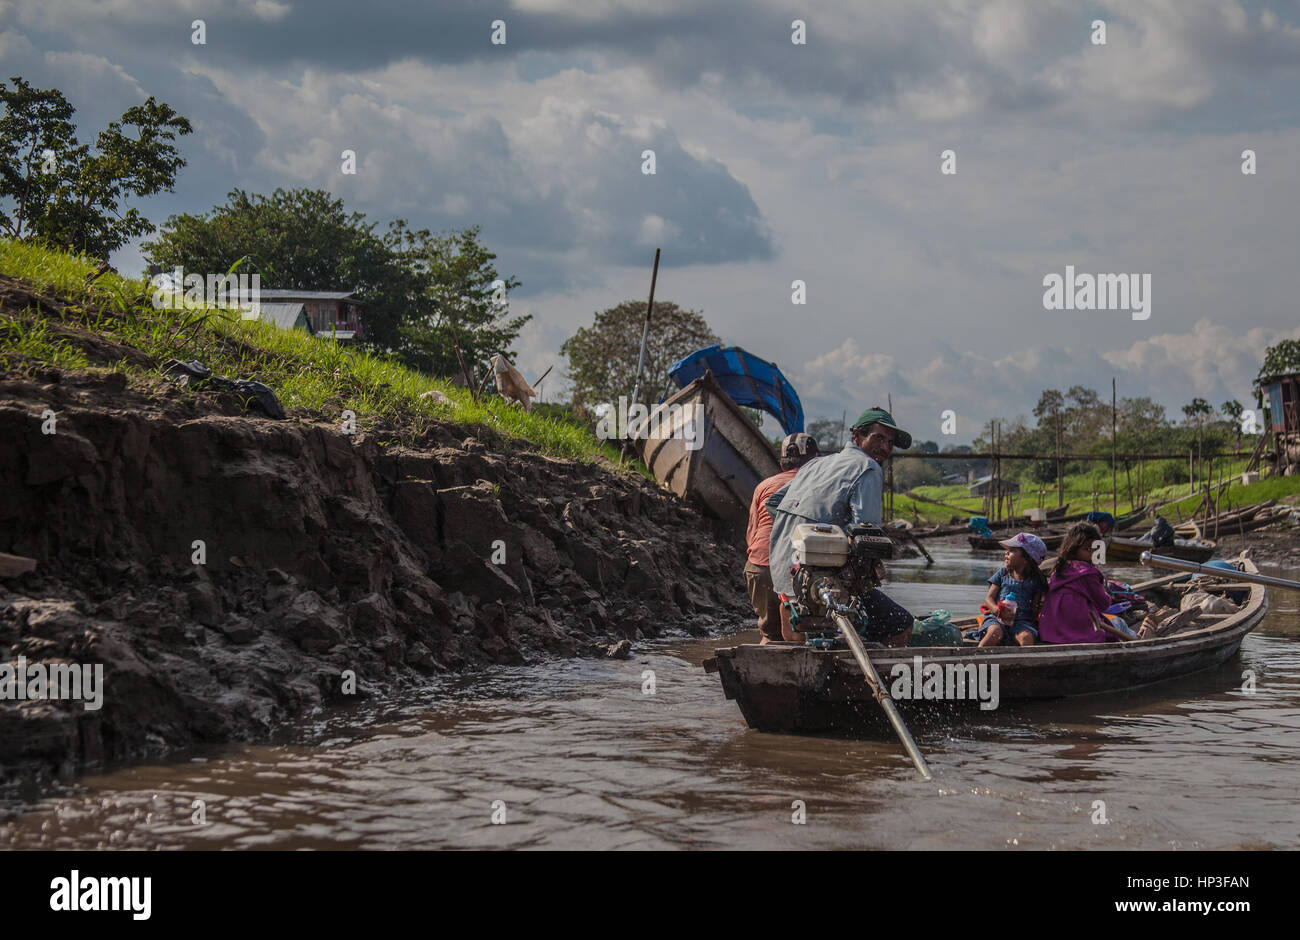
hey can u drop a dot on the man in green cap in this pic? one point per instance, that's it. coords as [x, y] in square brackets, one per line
[841, 489]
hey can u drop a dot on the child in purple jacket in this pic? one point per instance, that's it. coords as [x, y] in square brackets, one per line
[1076, 591]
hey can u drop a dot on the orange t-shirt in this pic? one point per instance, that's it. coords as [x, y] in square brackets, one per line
[760, 520]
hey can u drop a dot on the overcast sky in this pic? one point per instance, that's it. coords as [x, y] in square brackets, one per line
[774, 162]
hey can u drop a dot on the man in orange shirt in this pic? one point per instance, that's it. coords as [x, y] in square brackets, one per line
[796, 450]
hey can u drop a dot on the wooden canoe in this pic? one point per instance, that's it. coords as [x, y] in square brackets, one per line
[1228, 517]
[790, 687]
[721, 474]
[1121, 549]
[1128, 520]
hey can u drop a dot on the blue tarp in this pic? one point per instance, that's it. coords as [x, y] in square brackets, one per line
[750, 381]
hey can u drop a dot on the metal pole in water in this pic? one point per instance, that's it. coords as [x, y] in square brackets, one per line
[873, 681]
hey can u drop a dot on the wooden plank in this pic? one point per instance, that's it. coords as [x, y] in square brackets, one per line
[1157, 582]
[13, 565]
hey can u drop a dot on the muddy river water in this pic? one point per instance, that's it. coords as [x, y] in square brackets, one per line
[576, 755]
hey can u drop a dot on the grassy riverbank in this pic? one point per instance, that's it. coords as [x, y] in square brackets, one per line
[305, 372]
[1079, 492]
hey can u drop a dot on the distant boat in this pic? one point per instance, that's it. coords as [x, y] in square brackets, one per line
[1121, 549]
[713, 454]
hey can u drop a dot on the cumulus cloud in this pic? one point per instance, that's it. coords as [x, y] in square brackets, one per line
[565, 175]
[1211, 360]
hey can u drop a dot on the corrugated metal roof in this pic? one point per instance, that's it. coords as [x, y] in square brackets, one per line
[986, 483]
[286, 295]
[308, 294]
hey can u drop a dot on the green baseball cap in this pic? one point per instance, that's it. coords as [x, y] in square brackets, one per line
[902, 440]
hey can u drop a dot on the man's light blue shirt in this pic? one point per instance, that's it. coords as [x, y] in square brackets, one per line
[841, 489]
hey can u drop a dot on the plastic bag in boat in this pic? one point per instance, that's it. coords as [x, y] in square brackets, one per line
[935, 630]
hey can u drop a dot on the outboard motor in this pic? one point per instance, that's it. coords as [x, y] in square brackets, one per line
[833, 569]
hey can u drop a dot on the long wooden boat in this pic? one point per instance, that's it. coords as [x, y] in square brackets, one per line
[1128, 520]
[981, 544]
[1238, 522]
[791, 687]
[1122, 549]
[731, 459]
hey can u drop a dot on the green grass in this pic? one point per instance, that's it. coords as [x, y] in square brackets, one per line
[1079, 489]
[305, 372]
[20, 340]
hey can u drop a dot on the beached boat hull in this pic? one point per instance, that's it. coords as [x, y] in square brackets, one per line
[789, 687]
[721, 474]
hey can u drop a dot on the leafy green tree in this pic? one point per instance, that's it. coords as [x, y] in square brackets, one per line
[1085, 417]
[1197, 412]
[423, 293]
[826, 432]
[301, 239]
[1281, 358]
[603, 357]
[35, 129]
[70, 195]
[458, 300]
[910, 472]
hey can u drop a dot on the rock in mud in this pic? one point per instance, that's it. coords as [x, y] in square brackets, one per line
[620, 650]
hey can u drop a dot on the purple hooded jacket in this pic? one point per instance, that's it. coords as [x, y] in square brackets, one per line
[1076, 588]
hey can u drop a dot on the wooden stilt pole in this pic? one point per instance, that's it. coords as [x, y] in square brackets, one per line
[1114, 488]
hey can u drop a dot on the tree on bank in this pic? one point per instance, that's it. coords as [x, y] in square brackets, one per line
[68, 194]
[456, 299]
[603, 357]
[415, 284]
[827, 432]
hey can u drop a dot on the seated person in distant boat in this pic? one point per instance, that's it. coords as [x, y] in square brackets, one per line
[841, 489]
[796, 450]
[1104, 521]
[1016, 592]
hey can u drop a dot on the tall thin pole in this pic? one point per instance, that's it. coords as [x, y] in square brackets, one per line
[1114, 497]
[645, 333]
[1060, 476]
[997, 475]
[889, 401]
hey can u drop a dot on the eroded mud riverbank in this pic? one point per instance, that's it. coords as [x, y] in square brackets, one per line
[230, 573]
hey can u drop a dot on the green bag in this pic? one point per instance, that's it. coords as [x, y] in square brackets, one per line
[935, 630]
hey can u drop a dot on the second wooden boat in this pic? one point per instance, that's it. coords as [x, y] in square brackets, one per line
[702, 447]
